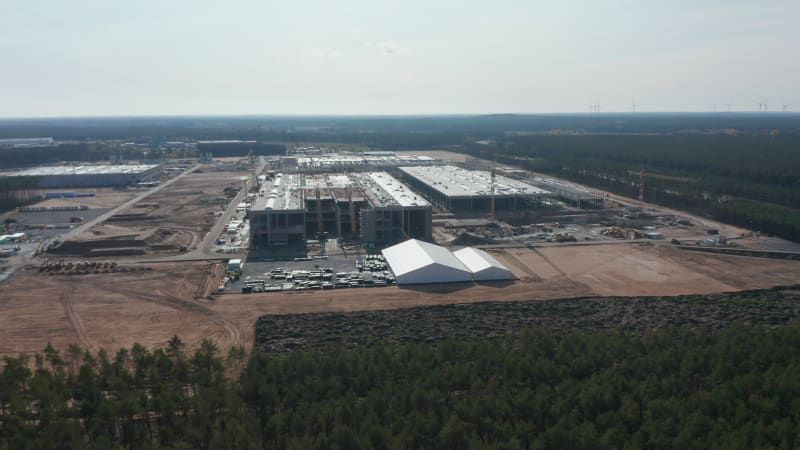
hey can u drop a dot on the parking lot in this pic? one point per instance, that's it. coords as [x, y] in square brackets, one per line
[337, 271]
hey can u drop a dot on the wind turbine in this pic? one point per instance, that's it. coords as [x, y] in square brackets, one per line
[729, 106]
[785, 108]
[634, 105]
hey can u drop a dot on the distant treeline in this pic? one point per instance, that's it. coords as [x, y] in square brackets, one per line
[17, 191]
[670, 388]
[751, 181]
[98, 151]
[375, 128]
[224, 149]
[28, 156]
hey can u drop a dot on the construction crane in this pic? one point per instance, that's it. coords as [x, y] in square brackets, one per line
[641, 184]
[251, 158]
[492, 189]
[320, 227]
[319, 213]
[352, 208]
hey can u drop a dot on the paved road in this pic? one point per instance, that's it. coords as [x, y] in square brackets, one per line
[86, 225]
[205, 250]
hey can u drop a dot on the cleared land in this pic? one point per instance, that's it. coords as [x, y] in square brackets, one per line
[146, 304]
[114, 310]
[170, 221]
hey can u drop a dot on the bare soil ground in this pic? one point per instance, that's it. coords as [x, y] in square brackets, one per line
[170, 221]
[116, 310]
[112, 310]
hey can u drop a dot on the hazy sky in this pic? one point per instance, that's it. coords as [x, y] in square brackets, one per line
[143, 57]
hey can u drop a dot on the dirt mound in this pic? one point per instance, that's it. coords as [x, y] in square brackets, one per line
[90, 246]
[122, 251]
[159, 236]
[467, 238]
[132, 217]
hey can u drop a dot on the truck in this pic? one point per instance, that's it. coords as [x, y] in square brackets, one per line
[234, 268]
[8, 252]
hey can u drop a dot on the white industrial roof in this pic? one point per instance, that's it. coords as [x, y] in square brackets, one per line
[343, 160]
[454, 181]
[484, 267]
[84, 170]
[418, 262]
[398, 191]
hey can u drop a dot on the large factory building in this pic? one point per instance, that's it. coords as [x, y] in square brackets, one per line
[89, 175]
[372, 207]
[460, 190]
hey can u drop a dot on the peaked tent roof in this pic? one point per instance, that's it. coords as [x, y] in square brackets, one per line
[417, 262]
[484, 267]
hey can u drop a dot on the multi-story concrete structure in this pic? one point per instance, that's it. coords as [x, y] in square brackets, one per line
[459, 190]
[372, 207]
[393, 212]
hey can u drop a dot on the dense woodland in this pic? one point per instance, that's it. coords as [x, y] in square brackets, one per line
[672, 388]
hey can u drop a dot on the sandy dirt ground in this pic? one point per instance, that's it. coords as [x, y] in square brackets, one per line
[170, 221]
[112, 310]
[115, 310]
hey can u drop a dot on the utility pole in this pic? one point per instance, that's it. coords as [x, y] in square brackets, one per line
[320, 231]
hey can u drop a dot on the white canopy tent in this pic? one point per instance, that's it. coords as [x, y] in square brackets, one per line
[419, 262]
[484, 267]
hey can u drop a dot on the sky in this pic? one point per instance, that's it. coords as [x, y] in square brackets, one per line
[194, 57]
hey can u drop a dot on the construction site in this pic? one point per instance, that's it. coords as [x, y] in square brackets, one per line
[370, 207]
[212, 246]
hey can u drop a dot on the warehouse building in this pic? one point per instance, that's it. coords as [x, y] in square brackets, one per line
[571, 193]
[459, 190]
[418, 262]
[372, 207]
[89, 175]
[366, 161]
[484, 267]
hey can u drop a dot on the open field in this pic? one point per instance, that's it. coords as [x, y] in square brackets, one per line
[111, 310]
[115, 310]
[281, 333]
[171, 221]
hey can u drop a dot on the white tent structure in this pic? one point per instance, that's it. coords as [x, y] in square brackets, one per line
[484, 267]
[419, 262]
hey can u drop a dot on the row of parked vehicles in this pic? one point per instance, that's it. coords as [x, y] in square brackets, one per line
[279, 279]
